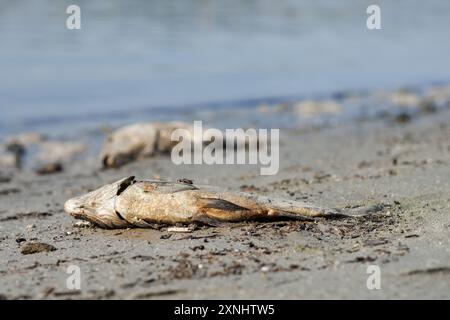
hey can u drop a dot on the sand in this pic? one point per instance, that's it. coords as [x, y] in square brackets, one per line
[403, 167]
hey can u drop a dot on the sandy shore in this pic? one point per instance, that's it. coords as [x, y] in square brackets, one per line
[403, 167]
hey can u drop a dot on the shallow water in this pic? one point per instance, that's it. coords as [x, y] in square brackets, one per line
[138, 60]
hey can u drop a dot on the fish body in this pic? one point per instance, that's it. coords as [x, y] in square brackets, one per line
[133, 203]
[138, 141]
[143, 140]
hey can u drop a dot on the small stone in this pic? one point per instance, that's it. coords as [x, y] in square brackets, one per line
[36, 247]
[265, 269]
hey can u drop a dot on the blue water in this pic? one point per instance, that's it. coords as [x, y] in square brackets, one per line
[138, 60]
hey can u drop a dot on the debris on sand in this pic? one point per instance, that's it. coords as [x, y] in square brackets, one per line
[35, 247]
[4, 177]
[26, 215]
[142, 203]
[82, 224]
[432, 270]
[179, 229]
[8, 191]
[148, 295]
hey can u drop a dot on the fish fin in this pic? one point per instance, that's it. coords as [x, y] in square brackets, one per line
[124, 184]
[223, 210]
[163, 187]
[219, 204]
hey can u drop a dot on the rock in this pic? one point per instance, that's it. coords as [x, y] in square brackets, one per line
[36, 247]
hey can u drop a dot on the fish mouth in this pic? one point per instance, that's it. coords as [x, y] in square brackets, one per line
[91, 219]
[79, 212]
[74, 207]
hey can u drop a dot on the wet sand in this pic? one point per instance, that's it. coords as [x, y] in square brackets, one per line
[403, 167]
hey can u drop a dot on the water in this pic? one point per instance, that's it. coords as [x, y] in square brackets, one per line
[147, 60]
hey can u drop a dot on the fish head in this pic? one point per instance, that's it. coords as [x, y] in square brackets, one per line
[98, 206]
[127, 144]
[118, 151]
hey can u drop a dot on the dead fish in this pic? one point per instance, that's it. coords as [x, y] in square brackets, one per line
[37, 149]
[134, 203]
[59, 151]
[142, 140]
[138, 141]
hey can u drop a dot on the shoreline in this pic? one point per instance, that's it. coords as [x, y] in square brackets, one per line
[401, 166]
[90, 125]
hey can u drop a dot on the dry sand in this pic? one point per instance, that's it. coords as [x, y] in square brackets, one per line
[403, 167]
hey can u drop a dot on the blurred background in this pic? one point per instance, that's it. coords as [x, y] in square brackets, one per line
[135, 60]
